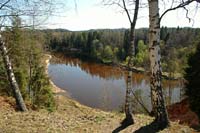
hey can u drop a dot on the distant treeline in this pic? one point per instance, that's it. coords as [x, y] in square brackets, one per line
[112, 45]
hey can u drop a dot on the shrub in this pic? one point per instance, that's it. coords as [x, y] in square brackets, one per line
[192, 76]
[41, 89]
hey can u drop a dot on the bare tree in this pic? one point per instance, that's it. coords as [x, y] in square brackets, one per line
[24, 9]
[127, 7]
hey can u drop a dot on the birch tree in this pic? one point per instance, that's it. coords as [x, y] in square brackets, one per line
[127, 7]
[11, 77]
[158, 104]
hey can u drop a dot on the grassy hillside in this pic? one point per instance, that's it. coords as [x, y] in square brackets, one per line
[71, 117]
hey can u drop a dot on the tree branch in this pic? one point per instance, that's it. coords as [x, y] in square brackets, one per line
[186, 15]
[4, 4]
[181, 5]
[126, 10]
[141, 102]
[10, 15]
[135, 14]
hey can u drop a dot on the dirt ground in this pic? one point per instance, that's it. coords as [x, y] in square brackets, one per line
[72, 117]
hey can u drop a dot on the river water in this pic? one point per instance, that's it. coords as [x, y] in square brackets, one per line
[104, 87]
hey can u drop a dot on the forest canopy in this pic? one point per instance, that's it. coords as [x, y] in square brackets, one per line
[111, 46]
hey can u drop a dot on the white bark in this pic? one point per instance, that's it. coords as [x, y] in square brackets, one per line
[131, 53]
[158, 104]
[128, 106]
[11, 77]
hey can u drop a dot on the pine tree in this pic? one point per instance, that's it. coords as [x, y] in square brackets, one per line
[192, 76]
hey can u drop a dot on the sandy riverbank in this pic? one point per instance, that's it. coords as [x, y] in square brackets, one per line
[71, 117]
[54, 87]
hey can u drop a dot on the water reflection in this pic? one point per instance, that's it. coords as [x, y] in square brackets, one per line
[104, 87]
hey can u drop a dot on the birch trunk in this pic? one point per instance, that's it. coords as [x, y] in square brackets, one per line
[157, 99]
[131, 53]
[132, 42]
[11, 77]
[128, 106]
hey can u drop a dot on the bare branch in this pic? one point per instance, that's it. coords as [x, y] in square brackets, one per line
[135, 14]
[172, 4]
[4, 4]
[126, 10]
[10, 15]
[141, 103]
[22, 26]
[181, 5]
[186, 15]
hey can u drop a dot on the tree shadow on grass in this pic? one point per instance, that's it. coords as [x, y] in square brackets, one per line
[153, 127]
[196, 128]
[124, 124]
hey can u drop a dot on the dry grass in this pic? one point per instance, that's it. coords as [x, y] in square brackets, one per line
[70, 117]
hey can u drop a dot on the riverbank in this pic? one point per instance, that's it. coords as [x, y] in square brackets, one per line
[165, 75]
[122, 65]
[181, 112]
[71, 117]
[56, 89]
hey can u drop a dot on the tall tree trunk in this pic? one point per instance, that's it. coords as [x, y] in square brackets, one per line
[158, 103]
[132, 49]
[128, 106]
[11, 77]
[131, 53]
[132, 31]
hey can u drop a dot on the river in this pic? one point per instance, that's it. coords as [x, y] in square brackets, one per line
[104, 87]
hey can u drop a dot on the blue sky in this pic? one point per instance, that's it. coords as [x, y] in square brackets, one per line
[91, 14]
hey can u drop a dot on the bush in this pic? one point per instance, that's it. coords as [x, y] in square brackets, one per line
[21, 77]
[192, 76]
[41, 89]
